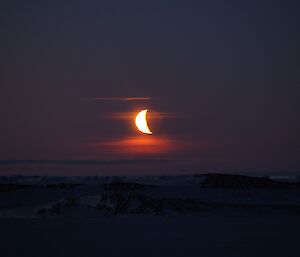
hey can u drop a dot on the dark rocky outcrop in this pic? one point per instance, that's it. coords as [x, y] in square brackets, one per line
[243, 182]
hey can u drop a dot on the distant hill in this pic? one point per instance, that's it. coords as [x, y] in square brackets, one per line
[243, 182]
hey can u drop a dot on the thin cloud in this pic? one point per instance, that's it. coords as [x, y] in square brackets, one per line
[120, 99]
[139, 146]
[151, 114]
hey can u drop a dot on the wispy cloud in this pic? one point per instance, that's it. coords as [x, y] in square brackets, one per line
[120, 99]
[154, 146]
[153, 115]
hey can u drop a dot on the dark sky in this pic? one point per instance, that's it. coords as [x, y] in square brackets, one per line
[223, 78]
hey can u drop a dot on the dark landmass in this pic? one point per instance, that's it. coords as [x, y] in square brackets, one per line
[199, 215]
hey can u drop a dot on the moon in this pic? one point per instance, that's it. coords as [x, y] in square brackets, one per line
[141, 122]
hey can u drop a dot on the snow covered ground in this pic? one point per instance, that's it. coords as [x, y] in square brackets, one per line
[151, 236]
[203, 215]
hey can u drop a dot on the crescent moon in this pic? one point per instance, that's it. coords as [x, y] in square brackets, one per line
[141, 122]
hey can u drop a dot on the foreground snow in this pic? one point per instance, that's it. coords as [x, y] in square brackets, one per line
[204, 195]
[204, 215]
[151, 236]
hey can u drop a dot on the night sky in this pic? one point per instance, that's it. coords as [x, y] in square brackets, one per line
[220, 80]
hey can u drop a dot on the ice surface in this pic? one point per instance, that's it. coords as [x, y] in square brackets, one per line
[203, 215]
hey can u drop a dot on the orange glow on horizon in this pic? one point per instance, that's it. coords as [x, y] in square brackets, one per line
[140, 145]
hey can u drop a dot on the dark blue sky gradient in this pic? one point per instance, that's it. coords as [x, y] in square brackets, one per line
[228, 70]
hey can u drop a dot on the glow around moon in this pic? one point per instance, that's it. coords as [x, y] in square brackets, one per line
[141, 122]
